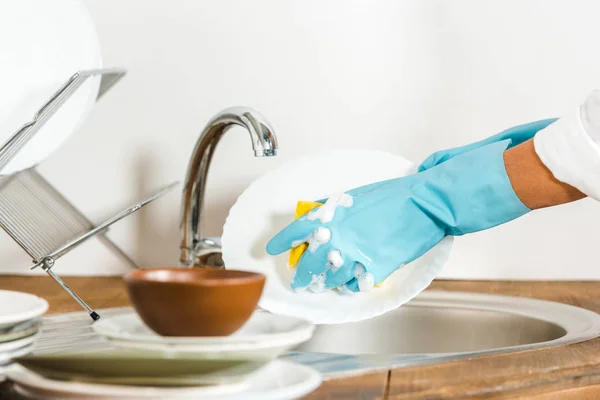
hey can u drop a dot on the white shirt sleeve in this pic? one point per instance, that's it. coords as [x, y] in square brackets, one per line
[570, 147]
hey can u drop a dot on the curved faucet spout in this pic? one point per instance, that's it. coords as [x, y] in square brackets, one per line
[264, 143]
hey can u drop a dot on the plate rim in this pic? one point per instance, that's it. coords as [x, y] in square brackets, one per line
[40, 308]
[212, 343]
[211, 349]
[18, 343]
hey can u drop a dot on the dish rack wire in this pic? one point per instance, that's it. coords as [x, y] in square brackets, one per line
[35, 214]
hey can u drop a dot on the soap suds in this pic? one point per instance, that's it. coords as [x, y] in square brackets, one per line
[366, 280]
[317, 283]
[317, 238]
[326, 212]
[344, 289]
[322, 235]
[334, 260]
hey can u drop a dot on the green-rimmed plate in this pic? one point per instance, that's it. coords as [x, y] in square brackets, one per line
[140, 368]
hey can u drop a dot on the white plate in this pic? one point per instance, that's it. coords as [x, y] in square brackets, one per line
[17, 344]
[17, 307]
[278, 381]
[55, 39]
[262, 332]
[268, 205]
[7, 357]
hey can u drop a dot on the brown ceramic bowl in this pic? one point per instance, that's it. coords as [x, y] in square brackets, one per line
[194, 301]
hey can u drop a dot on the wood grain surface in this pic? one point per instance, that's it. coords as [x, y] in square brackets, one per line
[564, 372]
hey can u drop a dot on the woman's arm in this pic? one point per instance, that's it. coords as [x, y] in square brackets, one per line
[533, 182]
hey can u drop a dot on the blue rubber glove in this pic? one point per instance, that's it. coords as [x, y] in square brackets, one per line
[517, 134]
[358, 239]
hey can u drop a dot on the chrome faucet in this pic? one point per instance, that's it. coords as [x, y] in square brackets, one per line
[264, 143]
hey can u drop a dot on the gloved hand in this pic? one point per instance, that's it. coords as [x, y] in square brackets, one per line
[517, 134]
[359, 238]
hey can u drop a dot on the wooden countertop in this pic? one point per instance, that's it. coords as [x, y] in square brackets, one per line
[565, 372]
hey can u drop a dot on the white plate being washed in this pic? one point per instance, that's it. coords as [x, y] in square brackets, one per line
[280, 380]
[17, 307]
[43, 43]
[268, 205]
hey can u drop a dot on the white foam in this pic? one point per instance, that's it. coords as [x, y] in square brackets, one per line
[335, 260]
[317, 283]
[319, 237]
[326, 212]
[360, 269]
[344, 289]
[366, 280]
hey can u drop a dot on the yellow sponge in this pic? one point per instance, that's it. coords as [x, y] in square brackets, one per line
[302, 208]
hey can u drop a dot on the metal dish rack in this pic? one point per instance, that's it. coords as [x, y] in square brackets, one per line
[36, 215]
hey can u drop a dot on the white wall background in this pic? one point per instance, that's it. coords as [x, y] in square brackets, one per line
[409, 77]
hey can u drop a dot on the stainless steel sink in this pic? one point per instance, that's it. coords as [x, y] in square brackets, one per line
[438, 326]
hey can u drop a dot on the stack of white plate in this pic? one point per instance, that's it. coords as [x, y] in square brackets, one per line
[144, 365]
[19, 325]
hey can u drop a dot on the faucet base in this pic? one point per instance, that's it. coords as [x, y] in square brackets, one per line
[210, 260]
